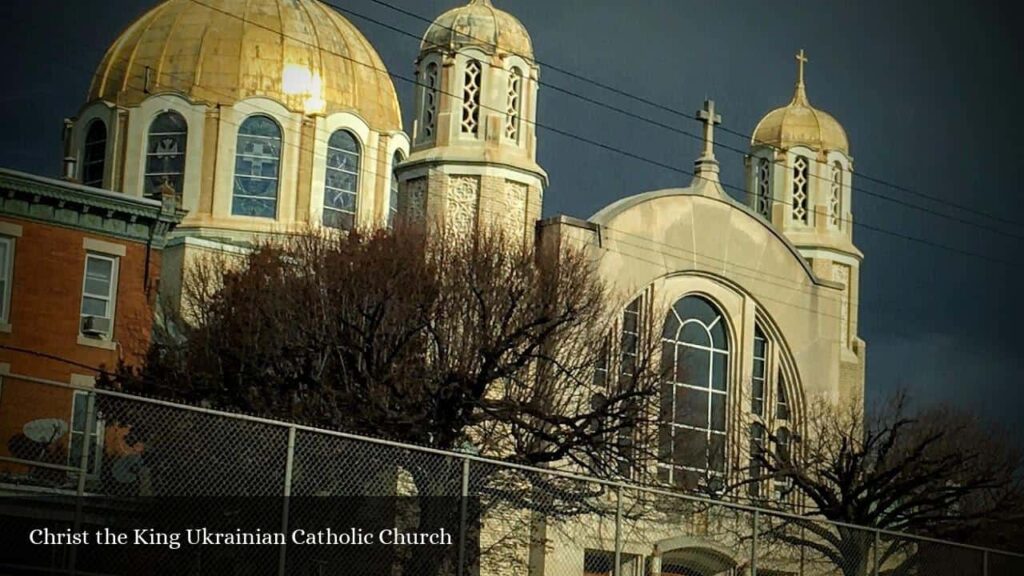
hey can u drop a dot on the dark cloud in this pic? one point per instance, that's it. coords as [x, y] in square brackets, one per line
[928, 91]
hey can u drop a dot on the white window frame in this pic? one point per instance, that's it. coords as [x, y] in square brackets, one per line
[7, 273]
[111, 296]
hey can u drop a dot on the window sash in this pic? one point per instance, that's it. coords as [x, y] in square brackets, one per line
[107, 298]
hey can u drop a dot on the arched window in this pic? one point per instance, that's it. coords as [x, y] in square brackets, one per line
[430, 83]
[257, 168]
[835, 197]
[764, 190]
[471, 85]
[801, 167]
[341, 183]
[393, 199]
[165, 153]
[513, 111]
[94, 154]
[695, 359]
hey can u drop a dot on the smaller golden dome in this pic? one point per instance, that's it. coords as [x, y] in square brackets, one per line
[480, 25]
[800, 124]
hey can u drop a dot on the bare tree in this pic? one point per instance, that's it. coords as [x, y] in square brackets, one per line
[938, 473]
[452, 343]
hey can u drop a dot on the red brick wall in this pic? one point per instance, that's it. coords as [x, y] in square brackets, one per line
[46, 299]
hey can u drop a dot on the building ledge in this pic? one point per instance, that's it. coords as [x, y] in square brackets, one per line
[97, 343]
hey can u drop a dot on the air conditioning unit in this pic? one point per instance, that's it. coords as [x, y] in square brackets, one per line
[95, 326]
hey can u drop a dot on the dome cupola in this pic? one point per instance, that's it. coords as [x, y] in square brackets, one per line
[479, 24]
[800, 124]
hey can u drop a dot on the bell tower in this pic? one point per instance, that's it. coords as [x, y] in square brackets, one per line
[800, 179]
[473, 162]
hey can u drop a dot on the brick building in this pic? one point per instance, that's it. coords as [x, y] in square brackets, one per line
[79, 272]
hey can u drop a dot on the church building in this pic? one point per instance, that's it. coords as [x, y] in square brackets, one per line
[268, 116]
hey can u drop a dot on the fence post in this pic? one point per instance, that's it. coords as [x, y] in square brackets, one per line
[753, 547]
[878, 548]
[618, 531]
[984, 563]
[462, 517]
[288, 466]
[83, 471]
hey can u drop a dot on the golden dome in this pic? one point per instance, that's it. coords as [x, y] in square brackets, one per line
[299, 52]
[479, 24]
[800, 124]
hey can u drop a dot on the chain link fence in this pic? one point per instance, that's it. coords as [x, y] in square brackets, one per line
[72, 445]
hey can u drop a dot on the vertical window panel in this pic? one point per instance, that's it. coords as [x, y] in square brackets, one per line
[94, 154]
[341, 181]
[695, 352]
[165, 153]
[471, 89]
[257, 168]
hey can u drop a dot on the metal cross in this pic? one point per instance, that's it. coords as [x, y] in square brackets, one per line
[801, 60]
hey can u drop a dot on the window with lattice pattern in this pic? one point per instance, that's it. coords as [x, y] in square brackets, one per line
[471, 98]
[800, 181]
[835, 199]
[430, 101]
[764, 190]
[514, 104]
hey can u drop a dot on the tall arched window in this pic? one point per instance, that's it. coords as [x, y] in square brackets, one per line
[835, 197]
[257, 168]
[165, 153]
[471, 88]
[801, 167]
[94, 154]
[393, 199]
[760, 375]
[764, 190]
[430, 84]
[695, 358]
[513, 111]
[341, 183]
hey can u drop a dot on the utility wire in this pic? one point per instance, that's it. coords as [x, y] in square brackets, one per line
[589, 141]
[675, 112]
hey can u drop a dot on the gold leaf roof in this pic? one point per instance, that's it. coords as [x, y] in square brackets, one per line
[300, 53]
[479, 24]
[800, 124]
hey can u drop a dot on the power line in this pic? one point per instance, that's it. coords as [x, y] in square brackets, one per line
[670, 110]
[589, 141]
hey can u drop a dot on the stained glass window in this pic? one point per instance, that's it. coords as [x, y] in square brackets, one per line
[165, 153]
[257, 168]
[341, 183]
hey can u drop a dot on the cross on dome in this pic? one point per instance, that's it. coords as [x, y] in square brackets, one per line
[801, 59]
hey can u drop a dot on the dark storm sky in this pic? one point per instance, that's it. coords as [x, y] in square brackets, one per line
[927, 90]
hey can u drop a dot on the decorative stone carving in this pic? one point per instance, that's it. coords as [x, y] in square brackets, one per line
[463, 201]
[515, 209]
[415, 206]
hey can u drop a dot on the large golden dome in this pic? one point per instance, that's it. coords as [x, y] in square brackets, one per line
[480, 25]
[800, 124]
[299, 52]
